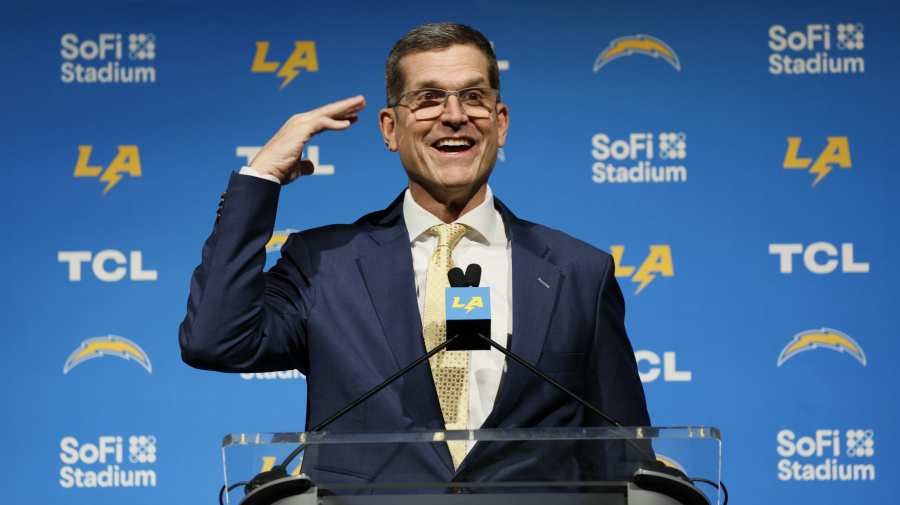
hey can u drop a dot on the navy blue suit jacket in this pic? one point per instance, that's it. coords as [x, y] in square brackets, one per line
[340, 306]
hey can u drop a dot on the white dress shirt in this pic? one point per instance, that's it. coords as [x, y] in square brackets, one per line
[487, 244]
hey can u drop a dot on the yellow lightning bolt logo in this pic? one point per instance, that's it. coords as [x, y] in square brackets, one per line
[826, 338]
[836, 152]
[640, 44]
[303, 56]
[644, 277]
[476, 301]
[110, 345]
[658, 261]
[127, 161]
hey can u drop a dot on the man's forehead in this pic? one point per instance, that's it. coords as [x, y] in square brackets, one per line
[426, 71]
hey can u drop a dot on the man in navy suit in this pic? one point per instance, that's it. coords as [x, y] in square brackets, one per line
[344, 303]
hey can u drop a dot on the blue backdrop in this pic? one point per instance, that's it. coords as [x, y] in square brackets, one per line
[734, 156]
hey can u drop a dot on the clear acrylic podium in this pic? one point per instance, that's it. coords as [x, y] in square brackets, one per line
[695, 451]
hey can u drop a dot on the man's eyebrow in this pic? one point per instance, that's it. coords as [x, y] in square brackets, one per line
[472, 83]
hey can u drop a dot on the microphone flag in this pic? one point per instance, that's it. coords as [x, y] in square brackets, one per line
[468, 314]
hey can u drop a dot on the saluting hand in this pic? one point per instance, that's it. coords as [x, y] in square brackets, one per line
[281, 154]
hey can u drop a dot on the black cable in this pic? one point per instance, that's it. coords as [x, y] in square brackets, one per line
[713, 484]
[222, 491]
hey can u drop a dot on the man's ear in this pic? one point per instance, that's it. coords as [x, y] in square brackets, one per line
[387, 119]
[502, 123]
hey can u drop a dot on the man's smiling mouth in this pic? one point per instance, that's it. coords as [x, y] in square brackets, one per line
[453, 145]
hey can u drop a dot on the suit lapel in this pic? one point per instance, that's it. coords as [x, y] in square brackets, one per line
[536, 284]
[386, 268]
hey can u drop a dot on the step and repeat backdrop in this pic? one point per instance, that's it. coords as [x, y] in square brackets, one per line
[738, 159]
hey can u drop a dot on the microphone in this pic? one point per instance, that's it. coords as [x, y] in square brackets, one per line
[457, 278]
[468, 310]
[473, 275]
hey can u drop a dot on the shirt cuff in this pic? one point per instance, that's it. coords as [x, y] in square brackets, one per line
[253, 173]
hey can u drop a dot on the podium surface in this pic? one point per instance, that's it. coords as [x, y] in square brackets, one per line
[604, 466]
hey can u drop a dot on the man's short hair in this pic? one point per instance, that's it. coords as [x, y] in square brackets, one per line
[431, 37]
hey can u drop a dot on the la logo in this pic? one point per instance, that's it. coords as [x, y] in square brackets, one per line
[304, 56]
[836, 152]
[474, 302]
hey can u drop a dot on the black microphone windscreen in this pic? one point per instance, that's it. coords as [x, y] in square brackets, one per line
[456, 277]
[473, 275]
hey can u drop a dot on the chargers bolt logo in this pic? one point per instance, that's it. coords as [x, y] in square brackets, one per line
[826, 338]
[640, 44]
[110, 345]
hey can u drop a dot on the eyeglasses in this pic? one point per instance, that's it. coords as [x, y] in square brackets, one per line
[429, 103]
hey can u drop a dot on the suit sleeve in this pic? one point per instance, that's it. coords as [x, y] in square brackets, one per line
[240, 319]
[613, 384]
[615, 370]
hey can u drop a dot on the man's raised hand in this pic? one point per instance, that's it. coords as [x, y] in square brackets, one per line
[281, 154]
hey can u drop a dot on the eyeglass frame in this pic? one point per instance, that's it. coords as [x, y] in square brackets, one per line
[447, 97]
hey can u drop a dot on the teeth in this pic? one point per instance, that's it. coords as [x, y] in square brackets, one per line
[454, 143]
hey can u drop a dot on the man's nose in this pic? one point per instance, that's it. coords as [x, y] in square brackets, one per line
[453, 111]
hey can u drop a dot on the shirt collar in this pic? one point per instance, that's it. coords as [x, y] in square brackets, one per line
[482, 219]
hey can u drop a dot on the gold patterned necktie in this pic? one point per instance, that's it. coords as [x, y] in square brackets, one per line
[450, 369]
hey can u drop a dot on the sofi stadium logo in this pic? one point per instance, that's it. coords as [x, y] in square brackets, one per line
[631, 159]
[113, 461]
[657, 262]
[826, 455]
[637, 44]
[110, 345]
[822, 338]
[108, 58]
[805, 50]
[302, 57]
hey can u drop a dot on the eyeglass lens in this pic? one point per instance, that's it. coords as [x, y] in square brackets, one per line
[430, 103]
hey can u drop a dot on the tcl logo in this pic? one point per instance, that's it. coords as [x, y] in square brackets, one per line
[131, 265]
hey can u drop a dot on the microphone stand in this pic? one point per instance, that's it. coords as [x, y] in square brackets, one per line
[555, 384]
